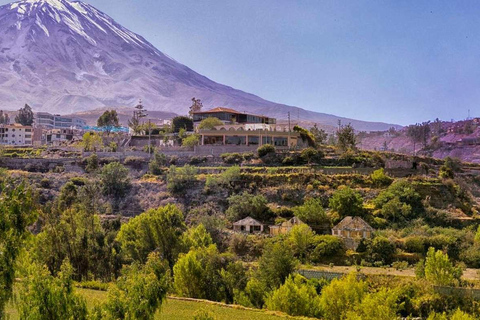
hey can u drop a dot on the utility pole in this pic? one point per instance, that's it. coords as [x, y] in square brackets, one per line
[149, 139]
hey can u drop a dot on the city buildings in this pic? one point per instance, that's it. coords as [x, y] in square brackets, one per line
[55, 121]
[19, 135]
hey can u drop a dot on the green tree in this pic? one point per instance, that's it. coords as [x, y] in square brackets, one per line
[158, 230]
[246, 204]
[310, 155]
[377, 305]
[342, 296]
[191, 141]
[182, 122]
[157, 163]
[380, 179]
[91, 141]
[346, 202]
[301, 240]
[108, 121]
[138, 114]
[25, 116]
[296, 297]
[209, 123]
[419, 133]
[179, 178]
[266, 149]
[18, 211]
[195, 107]
[305, 135]
[439, 270]
[4, 118]
[138, 293]
[319, 135]
[312, 212]
[400, 201]
[275, 265]
[43, 296]
[346, 138]
[115, 180]
[197, 237]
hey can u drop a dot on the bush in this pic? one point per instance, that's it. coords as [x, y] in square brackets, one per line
[92, 163]
[157, 163]
[296, 297]
[180, 178]
[232, 158]
[310, 155]
[191, 141]
[266, 149]
[326, 247]
[135, 162]
[380, 179]
[243, 205]
[197, 160]
[312, 212]
[346, 202]
[45, 183]
[149, 148]
[203, 315]
[115, 180]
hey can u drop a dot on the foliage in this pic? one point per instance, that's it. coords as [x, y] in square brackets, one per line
[138, 293]
[419, 132]
[305, 135]
[196, 237]
[246, 204]
[203, 314]
[182, 122]
[376, 305]
[310, 155]
[450, 167]
[301, 240]
[209, 123]
[439, 270]
[44, 296]
[191, 140]
[204, 268]
[115, 180]
[134, 122]
[196, 106]
[296, 297]
[92, 163]
[380, 249]
[342, 296]
[227, 178]
[275, 265]
[380, 179]
[346, 138]
[158, 161]
[91, 141]
[325, 247]
[320, 136]
[179, 178]
[266, 149]
[232, 158]
[108, 120]
[18, 211]
[158, 230]
[25, 116]
[312, 212]
[346, 202]
[4, 118]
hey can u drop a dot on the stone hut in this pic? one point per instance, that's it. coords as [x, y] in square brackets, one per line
[248, 225]
[284, 227]
[352, 230]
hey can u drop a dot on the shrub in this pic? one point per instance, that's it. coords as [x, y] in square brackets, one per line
[312, 212]
[310, 155]
[203, 314]
[326, 247]
[149, 148]
[232, 158]
[197, 160]
[45, 183]
[135, 162]
[191, 141]
[346, 202]
[242, 205]
[439, 270]
[265, 150]
[179, 178]
[157, 163]
[92, 163]
[296, 297]
[379, 178]
[115, 180]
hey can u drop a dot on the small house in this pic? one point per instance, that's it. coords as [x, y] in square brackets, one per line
[352, 230]
[284, 227]
[248, 225]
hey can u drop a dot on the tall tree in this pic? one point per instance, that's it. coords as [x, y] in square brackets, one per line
[195, 107]
[108, 120]
[319, 135]
[4, 118]
[419, 133]
[181, 122]
[138, 114]
[346, 137]
[25, 116]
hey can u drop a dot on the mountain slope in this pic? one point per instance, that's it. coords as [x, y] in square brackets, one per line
[66, 57]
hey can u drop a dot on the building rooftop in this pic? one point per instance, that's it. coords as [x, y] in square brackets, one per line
[248, 221]
[222, 109]
[353, 224]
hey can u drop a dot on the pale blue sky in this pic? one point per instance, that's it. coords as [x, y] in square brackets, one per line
[394, 61]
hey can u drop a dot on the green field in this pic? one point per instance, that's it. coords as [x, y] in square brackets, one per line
[174, 309]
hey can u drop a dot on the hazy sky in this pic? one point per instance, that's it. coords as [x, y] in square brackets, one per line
[393, 61]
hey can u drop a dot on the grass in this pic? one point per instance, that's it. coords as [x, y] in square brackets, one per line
[180, 309]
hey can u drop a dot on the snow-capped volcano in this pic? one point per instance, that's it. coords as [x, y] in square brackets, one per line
[66, 57]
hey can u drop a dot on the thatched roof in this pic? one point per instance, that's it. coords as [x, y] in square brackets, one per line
[248, 221]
